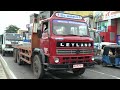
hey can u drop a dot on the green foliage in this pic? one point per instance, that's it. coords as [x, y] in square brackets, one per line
[12, 29]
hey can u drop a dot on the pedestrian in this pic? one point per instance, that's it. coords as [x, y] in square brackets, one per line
[110, 52]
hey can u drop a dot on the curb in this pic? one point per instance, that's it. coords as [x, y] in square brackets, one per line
[7, 70]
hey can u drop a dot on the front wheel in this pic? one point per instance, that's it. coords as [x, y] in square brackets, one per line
[78, 71]
[37, 66]
[15, 55]
[19, 61]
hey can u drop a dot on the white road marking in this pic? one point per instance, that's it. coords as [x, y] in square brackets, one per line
[8, 70]
[105, 74]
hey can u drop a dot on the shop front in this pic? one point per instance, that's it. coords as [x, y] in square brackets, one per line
[109, 23]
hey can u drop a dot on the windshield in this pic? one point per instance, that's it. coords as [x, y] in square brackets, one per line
[13, 37]
[66, 27]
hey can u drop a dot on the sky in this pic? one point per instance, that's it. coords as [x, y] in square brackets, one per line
[17, 18]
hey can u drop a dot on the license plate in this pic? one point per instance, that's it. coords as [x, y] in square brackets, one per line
[78, 66]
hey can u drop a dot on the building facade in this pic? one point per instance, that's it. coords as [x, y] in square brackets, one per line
[109, 23]
[21, 31]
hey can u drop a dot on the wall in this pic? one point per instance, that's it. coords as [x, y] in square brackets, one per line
[118, 26]
[21, 31]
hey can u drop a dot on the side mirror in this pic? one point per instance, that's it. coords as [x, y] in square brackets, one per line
[39, 33]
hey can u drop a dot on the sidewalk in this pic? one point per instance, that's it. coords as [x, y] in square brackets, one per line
[2, 72]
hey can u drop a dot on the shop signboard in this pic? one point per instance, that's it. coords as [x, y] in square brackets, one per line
[111, 15]
[105, 15]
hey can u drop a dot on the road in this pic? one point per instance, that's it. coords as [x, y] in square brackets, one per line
[97, 72]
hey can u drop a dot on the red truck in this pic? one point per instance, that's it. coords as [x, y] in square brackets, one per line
[59, 41]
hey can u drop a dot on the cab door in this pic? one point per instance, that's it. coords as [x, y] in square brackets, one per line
[45, 37]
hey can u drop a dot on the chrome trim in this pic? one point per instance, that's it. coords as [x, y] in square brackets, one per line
[75, 51]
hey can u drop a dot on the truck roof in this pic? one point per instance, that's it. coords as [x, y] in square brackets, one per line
[45, 15]
[49, 15]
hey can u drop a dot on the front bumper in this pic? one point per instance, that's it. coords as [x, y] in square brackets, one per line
[65, 66]
[8, 49]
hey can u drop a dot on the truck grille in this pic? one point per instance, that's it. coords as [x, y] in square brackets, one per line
[64, 51]
[76, 59]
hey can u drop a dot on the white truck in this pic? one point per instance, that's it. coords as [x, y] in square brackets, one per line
[8, 40]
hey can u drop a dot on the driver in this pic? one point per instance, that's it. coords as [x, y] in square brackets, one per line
[58, 30]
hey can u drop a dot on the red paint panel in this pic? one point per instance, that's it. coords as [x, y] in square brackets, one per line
[109, 28]
[112, 29]
[106, 36]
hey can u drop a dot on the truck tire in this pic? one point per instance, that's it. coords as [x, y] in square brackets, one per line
[19, 61]
[15, 55]
[3, 53]
[37, 67]
[78, 71]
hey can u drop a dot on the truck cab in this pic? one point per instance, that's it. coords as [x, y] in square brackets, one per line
[65, 43]
[59, 41]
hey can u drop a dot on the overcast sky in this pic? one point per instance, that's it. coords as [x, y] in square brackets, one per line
[18, 18]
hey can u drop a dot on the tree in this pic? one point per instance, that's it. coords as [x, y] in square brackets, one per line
[12, 29]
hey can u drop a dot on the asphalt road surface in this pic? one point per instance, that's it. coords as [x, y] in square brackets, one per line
[96, 72]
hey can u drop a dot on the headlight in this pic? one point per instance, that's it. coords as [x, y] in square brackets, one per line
[81, 44]
[86, 44]
[89, 44]
[56, 60]
[93, 58]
